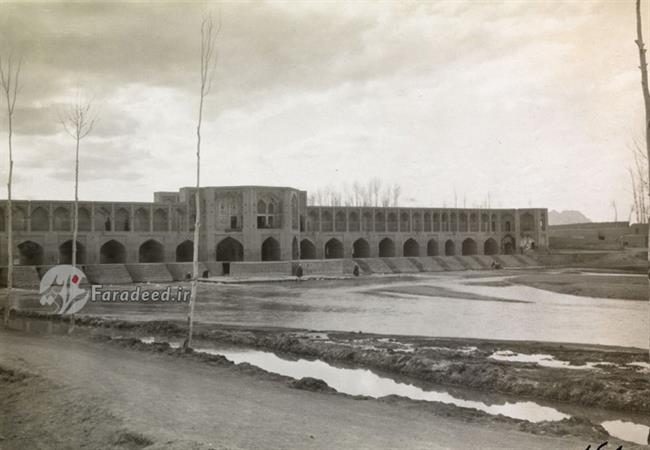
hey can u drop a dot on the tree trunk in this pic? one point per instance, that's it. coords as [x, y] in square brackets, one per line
[10, 234]
[197, 225]
[75, 225]
[646, 101]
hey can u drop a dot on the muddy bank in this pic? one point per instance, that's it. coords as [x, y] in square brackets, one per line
[603, 377]
[94, 420]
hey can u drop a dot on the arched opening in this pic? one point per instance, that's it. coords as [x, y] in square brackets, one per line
[366, 220]
[271, 250]
[427, 221]
[411, 248]
[230, 249]
[469, 247]
[508, 245]
[313, 221]
[360, 249]
[122, 220]
[380, 222]
[40, 220]
[333, 249]
[392, 224]
[340, 222]
[485, 223]
[185, 251]
[295, 214]
[386, 248]
[151, 251]
[83, 223]
[295, 249]
[462, 219]
[65, 253]
[30, 254]
[353, 223]
[2, 219]
[61, 219]
[160, 222]
[326, 221]
[112, 252]
[19, 219]
[307, 249]
[473, 222]
[141, 219]
[432, 247]
[404, 222]
[102, 219]
[527, 222]
[417, 222]
[450, 248]
[490, 247]
[507, 222]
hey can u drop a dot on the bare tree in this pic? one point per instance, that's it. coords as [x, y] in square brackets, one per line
[397, 191]
[613, 205]
[639, 181]
[78, 121]
[9, 80]
[646, 95]
[209, 33]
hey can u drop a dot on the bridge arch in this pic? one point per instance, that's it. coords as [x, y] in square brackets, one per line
[271, 250]
[185, 251]
[151, 251]
[65, 253]
[360, 249]
[30, 253]
[490, 247]
[432, 247]
[469, 247]
[112, 252]
[230, 249]
[450, 248]
[386, 248]
[411, 248]
[307, 249]
[333, 249]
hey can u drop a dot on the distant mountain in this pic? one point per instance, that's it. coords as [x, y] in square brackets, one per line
[566, 217]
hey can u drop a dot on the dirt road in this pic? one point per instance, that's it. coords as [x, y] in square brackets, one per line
[86, 394]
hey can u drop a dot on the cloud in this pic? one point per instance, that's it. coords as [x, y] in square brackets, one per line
[514, 98]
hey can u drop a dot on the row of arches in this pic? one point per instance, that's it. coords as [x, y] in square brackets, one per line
[62, 219]
[411, 248]
[230, 249]
[380, 221]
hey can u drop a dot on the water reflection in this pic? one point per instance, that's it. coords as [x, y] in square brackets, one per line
[367, 383]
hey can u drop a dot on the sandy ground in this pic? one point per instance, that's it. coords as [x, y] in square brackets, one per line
[66, 392]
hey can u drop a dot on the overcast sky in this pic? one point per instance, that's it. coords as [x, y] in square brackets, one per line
[537, 103]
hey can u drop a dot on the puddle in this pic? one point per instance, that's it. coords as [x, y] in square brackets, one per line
[543, 360]
[367, 383]
[628, 431]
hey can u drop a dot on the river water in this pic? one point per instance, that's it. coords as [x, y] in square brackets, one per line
[441, 305]
[462, 310]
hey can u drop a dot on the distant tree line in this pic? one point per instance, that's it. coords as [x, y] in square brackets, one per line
[374, 192]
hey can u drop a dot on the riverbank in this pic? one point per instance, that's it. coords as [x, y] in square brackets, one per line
[119, 393]
[576, 376]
